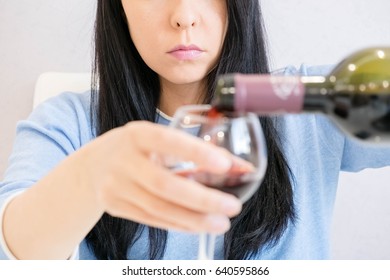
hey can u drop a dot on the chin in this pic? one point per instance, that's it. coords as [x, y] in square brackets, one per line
[186, 77]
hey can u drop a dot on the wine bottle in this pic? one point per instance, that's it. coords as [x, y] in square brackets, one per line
[355, 95]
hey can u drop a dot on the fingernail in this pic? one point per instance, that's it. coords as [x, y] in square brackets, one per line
[222, 162]
[217, 223]
[231, 206]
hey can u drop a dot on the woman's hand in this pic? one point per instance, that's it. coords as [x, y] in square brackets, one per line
[129, 184]
[115, 174]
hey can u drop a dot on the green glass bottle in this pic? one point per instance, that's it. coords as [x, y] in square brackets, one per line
[355, 94]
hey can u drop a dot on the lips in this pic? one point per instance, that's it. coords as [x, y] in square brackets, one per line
[182, 52]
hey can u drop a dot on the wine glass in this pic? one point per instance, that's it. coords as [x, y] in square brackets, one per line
[239, 133]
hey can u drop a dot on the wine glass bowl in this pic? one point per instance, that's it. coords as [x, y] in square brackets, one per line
[240, 134]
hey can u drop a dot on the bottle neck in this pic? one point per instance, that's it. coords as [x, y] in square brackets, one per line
[266, 94]
[225, 93]
[317, 92]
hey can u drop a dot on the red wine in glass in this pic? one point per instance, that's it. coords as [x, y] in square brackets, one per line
[238, 181]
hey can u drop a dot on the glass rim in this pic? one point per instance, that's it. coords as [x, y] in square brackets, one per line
[194, 110]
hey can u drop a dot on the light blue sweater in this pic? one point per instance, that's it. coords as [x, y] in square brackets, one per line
[315, 149]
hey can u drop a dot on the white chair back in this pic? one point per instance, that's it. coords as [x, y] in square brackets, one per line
[52, 83]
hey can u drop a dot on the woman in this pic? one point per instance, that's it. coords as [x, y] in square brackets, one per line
[82, 175]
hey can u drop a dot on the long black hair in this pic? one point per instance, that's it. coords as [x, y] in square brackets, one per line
[129, 90]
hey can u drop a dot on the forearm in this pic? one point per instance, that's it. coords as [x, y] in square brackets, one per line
[114, 174]
[50, 219]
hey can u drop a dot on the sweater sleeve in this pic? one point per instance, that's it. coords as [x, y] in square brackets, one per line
[54, 130]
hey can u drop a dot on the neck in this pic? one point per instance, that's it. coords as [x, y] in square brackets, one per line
[174, 96]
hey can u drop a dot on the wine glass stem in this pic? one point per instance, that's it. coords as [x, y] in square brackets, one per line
[206, 246]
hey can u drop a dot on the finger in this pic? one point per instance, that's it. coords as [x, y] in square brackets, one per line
[174, 213]
[133, 213]
[181, 191]
[177, 143]
[163, 219]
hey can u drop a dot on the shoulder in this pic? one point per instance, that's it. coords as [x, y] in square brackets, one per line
[305, 70]
[55, 128]
[64, 103]
[64, 118]
[67, 109]
[311, 130]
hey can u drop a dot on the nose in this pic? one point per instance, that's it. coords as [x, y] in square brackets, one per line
[184, 14]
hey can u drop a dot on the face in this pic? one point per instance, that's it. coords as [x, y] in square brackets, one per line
[181, 40]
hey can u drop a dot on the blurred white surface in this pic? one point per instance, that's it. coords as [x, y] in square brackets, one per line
[50, 84]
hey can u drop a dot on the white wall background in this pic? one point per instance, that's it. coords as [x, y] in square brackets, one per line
[55, 35]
